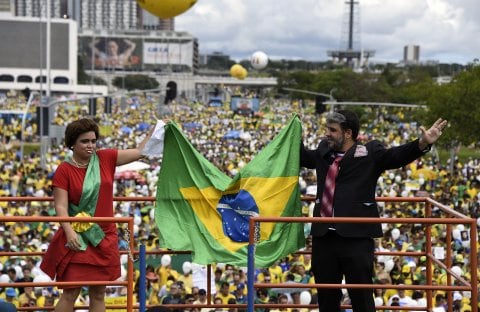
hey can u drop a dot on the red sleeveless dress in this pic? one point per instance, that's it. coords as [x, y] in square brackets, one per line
[101, 263]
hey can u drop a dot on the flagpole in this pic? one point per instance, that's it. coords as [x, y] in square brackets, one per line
[251, 265]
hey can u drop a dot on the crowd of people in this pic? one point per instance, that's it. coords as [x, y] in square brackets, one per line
[451, 182]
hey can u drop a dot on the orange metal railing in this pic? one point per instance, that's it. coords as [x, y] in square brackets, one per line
[454, 218]
[458, 218]
[130, 269]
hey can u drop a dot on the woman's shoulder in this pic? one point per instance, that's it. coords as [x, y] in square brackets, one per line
[64, 166]
[107, 152]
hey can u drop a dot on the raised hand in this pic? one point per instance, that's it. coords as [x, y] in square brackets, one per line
[431, 135]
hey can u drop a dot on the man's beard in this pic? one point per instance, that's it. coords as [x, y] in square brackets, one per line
[336, 145]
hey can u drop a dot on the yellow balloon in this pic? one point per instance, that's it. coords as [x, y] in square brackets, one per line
[243, 73]
[236, 70]
[166, 8]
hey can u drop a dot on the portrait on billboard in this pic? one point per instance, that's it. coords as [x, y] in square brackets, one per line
[112, 53]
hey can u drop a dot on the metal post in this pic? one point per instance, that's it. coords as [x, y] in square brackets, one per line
[332, 99]
[46, 100]
[251, 267]
[24, 120]
[142, 289]
[48, 46]
[44, 103]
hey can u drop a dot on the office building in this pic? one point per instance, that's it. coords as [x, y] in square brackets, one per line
[411, 54]
[93, 14]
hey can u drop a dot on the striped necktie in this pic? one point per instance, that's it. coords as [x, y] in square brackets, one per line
[329, 189]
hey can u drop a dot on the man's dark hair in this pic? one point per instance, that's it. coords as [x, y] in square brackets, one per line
[351, 122]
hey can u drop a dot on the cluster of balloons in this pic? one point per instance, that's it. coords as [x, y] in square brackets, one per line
[166, 8]
[258, 60]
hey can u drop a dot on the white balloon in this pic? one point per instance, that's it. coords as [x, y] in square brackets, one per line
[398, 178]
[460, 227]
[166, 260]
[378, 301]
[259, 60]
[395, 234]
[137, 220]
[456, 234]
[4, 278]
[457, 270]
[305, 297]
[187, 267]
[19, 271]
[389, 265]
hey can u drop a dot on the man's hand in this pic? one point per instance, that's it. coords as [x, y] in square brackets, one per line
[431, 135]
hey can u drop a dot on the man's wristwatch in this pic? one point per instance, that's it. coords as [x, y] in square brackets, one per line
[426, 149]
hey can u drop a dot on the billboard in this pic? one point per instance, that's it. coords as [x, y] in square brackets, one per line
[155, 52]
[134, 53]
[111, 53]
[244, 105]
[23, 44]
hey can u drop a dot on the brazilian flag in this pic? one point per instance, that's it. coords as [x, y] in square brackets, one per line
[201, 209]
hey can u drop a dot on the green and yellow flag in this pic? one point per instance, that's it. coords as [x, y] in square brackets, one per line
[201, 209]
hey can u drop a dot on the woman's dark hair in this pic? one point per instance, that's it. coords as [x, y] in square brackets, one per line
[78, 127]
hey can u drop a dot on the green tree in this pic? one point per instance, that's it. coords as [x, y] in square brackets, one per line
[135, 82]
[459, 103]
[84, 78]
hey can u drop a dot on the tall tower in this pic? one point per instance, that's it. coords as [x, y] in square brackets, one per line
[351, 49]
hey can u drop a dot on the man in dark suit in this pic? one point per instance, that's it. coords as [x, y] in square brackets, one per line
[348, 249]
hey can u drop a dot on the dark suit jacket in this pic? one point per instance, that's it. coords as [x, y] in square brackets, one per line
[356, 182]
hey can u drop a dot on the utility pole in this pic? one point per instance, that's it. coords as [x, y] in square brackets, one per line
[44, 105]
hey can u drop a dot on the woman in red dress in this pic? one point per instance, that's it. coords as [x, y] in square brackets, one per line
[83, 186]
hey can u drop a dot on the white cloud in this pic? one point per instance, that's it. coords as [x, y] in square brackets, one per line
[445, 30]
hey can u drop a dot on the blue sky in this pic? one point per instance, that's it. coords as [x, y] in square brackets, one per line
[446, 30]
